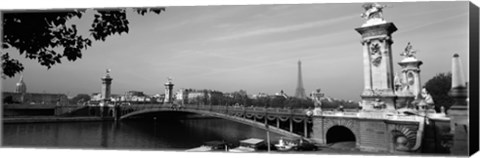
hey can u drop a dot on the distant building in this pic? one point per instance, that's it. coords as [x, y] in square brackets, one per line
[134, 93]
[116, 97]
[192, 96]
[138, 96]
[259, 95]
[20, 96]
[265, 95]
[281, 94]
[21, 87]
[96, 97]
[34, 98]
[158, 98]
[180, 94]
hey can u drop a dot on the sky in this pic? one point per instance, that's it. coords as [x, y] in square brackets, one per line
[254, 48]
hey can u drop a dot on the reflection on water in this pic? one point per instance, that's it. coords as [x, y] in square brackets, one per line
[135, 134]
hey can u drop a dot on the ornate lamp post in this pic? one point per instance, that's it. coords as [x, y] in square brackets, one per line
[268, 134]
[308, 114]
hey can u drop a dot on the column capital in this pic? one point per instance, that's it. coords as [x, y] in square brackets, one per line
[381, 29]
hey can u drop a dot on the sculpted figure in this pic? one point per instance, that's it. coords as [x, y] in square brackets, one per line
[372, 10]
[409, 51]
[427, 96]
[317, 95]
[398, 82]
[379, 104]
[317, 99]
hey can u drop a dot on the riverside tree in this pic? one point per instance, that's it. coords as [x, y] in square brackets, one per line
[41, 35]
[438, 87]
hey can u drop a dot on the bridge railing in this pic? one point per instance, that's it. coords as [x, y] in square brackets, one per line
[229, 109]
[249, 109]
[259, 109]
[218, 108]
[298, 111]
[283, 111]
[350, 113]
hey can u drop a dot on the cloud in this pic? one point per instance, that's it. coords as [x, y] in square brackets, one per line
[436, 22]
[290, 28]
[197, 15]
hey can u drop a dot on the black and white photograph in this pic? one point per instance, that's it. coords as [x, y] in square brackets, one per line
[324, 78]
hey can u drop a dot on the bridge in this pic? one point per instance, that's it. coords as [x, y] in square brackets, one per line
[254, 116]
[371, 131]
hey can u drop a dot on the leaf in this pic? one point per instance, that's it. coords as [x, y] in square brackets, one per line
[10, 66]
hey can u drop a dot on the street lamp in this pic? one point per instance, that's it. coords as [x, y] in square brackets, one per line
[268, 133]
[309, 114]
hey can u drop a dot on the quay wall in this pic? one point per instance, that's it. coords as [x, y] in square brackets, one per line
[52, 119]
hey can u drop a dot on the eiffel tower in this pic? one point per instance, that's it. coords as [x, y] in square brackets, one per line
[300, 91]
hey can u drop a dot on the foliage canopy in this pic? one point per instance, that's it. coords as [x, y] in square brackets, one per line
[438, 87]
[38, 35]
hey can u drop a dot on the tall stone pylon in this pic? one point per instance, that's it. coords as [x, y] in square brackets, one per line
[408, 89]
[376, 40]
[411, 71]
[168, 91]
[106, 86]
[300, 91]
[458, 113]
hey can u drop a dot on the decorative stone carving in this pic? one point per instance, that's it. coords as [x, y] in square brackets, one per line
[375, 54]
[379, 92]
[379, 104]
[404, 138]
[398, 81]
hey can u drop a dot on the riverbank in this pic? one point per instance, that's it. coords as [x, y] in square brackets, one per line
[43, 119]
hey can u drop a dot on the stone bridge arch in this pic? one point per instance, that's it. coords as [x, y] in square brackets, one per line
[350, 124]
[214, 114]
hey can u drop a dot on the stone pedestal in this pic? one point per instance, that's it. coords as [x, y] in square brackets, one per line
[411, 75]
[378, 67]
[459, 129]
[458, 113]
[459, 126]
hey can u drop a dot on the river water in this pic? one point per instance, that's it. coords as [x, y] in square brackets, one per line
[172, 134]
